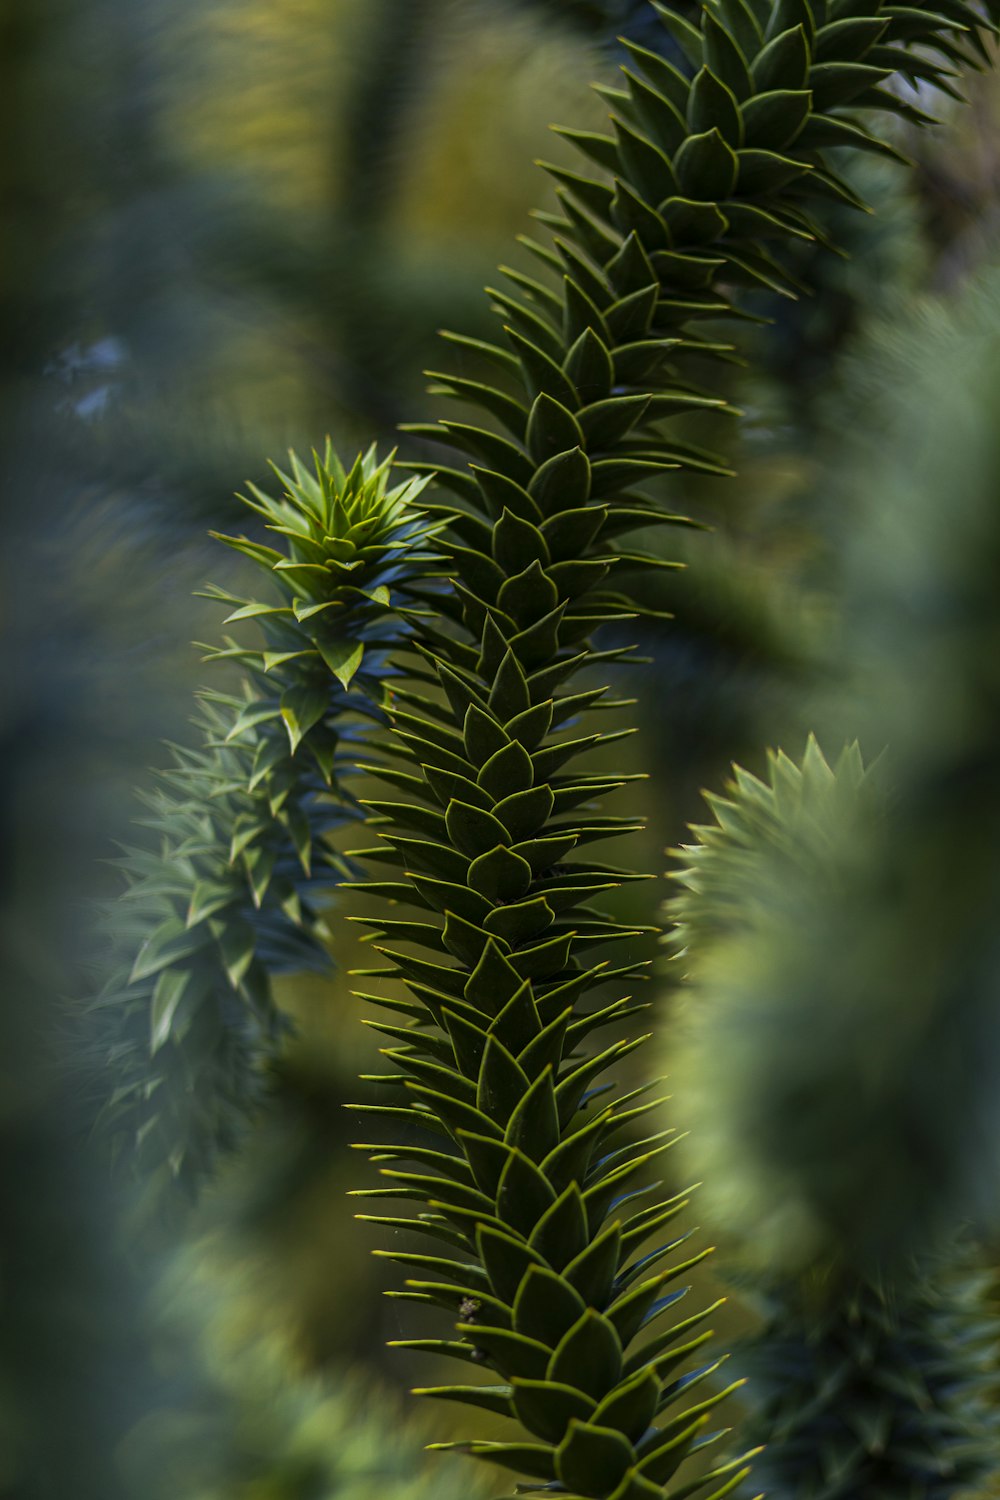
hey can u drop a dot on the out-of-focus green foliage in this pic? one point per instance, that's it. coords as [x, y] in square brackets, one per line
[788, 820]
[885, 1392]
[238, 1417]
[859, 1385]
[878, 938]
[608, 20]
[72, 1360]
[750, 1035]
[73, 1366]
[242, 224]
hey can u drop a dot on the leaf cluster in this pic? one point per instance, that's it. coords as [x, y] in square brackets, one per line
[227, 892]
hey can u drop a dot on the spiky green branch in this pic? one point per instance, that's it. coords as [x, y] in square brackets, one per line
[537, 1203]
[230, 892]
[865, 1379]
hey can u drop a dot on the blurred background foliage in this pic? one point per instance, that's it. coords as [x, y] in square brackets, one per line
[229, 229]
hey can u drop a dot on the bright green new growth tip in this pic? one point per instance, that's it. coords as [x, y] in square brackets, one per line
[348, 539]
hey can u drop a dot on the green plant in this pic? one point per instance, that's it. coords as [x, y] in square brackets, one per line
[531, 1190]
[231, 892]
[873, 1370]
[532, 1182]
[751, 1030]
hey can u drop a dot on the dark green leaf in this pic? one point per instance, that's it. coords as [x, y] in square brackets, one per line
[506, 772]
[593, 1458]
[502, 1083]
[706, 167]
[523, 1197]
[546, 1407]
[713, 106]
[500, 875]
[589, 1356]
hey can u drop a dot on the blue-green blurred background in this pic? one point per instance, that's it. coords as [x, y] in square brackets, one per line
[230, 228]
